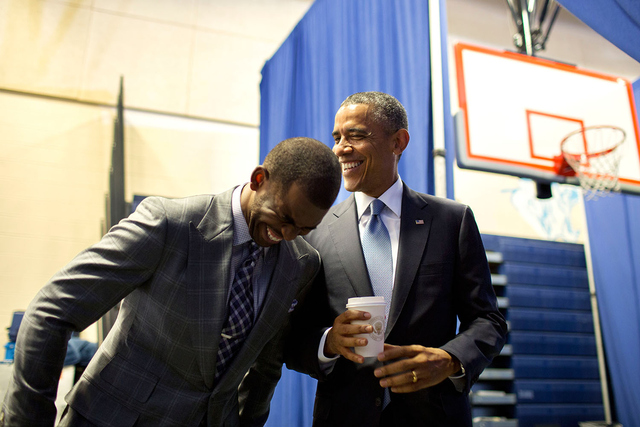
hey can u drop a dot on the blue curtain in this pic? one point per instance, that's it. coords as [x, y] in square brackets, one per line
[614, 233]
[614, 236]
[616, 20]
[341, 47]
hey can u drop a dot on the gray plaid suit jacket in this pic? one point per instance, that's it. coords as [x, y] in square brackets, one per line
[169, 264]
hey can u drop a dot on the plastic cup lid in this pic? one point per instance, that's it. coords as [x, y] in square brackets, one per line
[365, 301]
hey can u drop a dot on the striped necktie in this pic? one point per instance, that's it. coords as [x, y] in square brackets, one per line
[240, 319]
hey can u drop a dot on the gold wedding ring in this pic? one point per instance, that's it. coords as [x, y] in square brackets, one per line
[415, 377]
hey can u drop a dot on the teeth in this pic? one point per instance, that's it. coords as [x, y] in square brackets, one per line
[272, 236]
[350, 165]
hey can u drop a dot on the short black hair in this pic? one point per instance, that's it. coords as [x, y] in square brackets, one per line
[311, 164]
[386, 109]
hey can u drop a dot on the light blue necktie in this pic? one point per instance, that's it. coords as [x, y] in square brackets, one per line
[376, 246]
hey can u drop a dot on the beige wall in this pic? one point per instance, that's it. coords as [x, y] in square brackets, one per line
[194, 57]
[53, 163]
[191, 73]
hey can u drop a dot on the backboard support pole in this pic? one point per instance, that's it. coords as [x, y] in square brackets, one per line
[437, 100]
[543, 190]
[530, 17]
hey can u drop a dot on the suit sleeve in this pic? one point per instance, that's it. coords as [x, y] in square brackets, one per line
[77, 296]
[308, 325]
[483, 329]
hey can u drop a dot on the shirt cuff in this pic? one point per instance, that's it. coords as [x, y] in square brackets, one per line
[326, 363]
[459, 375]
[459, 381]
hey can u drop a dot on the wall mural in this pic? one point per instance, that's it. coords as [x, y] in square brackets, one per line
[554, 218]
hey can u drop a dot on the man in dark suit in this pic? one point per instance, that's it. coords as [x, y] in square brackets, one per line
[437, 272]
[176, 264]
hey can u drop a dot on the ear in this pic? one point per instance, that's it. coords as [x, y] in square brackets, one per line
[258, 177]
[401, 140]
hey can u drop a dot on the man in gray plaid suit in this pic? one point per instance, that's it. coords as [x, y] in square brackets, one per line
[172, 263]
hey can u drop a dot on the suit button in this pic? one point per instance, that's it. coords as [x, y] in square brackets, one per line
[378, 402]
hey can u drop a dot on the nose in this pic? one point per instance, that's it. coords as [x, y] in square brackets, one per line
[342, 147]
[290, 231]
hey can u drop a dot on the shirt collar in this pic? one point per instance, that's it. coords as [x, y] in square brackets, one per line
[240, 228]
[392, 198]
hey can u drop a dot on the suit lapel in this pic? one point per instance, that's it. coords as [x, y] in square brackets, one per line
[210, 247]
[415, 225]
[346, 239]
[283, 288]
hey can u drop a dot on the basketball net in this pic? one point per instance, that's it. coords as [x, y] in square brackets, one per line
[593, 155]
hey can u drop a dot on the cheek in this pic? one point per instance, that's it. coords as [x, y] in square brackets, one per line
[266, 217]
[370, 165]
[257, 216]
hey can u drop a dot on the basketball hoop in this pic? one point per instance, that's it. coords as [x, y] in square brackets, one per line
[592, 154]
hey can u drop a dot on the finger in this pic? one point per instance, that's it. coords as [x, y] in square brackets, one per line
[404, 382]
[396, 352]
[400, 366]
[347, 341]
[384, 355]
[337, 344]
[412, 382]
[346, 330]
[351, 315]
[350, 355]
[409, 388]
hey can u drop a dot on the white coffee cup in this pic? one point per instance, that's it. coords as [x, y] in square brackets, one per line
[376, 307]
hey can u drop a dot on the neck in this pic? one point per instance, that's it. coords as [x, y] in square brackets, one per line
[246, 198]
[381, 190]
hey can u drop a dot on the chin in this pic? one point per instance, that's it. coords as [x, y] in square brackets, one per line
[351, 188]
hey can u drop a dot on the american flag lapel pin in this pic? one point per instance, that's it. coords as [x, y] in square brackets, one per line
[419, 222]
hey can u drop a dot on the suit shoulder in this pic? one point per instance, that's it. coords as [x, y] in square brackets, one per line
[171, 204]
[315, 237]
[301, 247]
[306, 258]
[441, 202]
[192, 208]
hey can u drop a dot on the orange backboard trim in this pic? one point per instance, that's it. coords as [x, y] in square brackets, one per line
[460, 48]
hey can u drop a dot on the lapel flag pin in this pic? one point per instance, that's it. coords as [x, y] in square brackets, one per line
[419, 222]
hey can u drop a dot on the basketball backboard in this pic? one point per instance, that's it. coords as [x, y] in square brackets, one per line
[516, 109]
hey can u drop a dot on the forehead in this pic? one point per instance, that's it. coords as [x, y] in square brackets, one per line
[295, 204]
[355, 114]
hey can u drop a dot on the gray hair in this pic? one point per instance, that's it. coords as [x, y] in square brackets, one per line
[386, 109]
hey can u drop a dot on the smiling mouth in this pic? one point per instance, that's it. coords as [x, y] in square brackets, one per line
[347, 166]
[272, 236]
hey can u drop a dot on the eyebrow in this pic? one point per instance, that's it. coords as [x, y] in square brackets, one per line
[352, 130]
